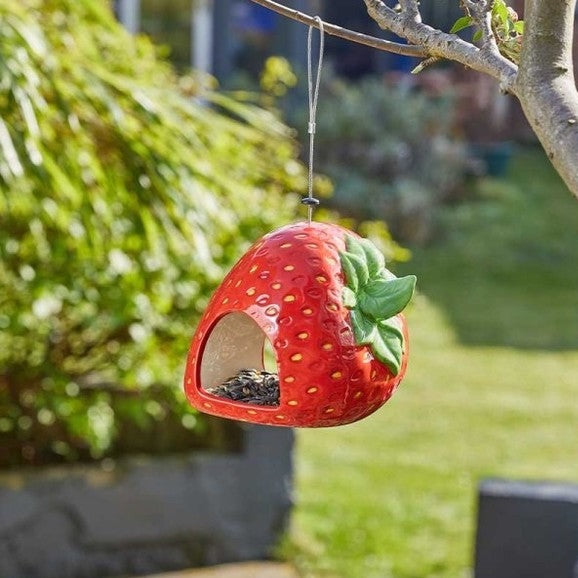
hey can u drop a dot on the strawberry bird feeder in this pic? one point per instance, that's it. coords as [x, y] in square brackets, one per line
[322, 297]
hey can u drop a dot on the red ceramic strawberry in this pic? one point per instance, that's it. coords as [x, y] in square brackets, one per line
[331, 311]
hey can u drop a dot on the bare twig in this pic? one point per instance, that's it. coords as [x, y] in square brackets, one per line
[333, 30]
[425, 64]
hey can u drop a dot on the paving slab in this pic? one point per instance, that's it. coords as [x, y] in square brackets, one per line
[243, 570]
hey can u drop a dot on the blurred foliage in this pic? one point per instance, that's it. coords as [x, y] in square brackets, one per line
[271, 90]
[126, 193]
[390, 153]
[275, 83]
[277, 77]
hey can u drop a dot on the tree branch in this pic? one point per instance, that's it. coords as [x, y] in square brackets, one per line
[481, 12]
[411, 9]
[546, 86]
[444, 45]
[544, 82]
[333, 30]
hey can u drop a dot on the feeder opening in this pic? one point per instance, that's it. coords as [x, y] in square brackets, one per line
[238, 362]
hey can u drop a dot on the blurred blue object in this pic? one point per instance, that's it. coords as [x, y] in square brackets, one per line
[252, 18]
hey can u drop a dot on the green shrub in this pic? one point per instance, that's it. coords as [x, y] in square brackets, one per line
[390, 153]
[125, 195]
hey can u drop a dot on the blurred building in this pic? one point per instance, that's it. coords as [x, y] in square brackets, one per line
[224, 37]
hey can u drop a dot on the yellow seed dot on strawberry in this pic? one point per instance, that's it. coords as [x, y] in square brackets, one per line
[289, 298]
[251, 291]
[336, 375]
[296, 357]
[292, 402]
[253, 268]
[327, 346]
[307, 311]
[303, 335]
[330, 410]
[289, 268]
[285, 245]
[289, 379]
[279, 417]
[276, 286]
[313, 390]
[321, 279]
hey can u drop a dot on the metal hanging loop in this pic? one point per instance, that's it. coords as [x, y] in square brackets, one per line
[313, 94]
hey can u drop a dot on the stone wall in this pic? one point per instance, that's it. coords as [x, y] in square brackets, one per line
[147, 515]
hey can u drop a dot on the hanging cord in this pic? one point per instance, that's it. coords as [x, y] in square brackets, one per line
[313, 91]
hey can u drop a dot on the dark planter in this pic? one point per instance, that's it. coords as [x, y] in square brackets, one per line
[146, 515]
[527, 530]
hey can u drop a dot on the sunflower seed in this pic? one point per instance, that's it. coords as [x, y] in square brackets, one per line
[250, 386]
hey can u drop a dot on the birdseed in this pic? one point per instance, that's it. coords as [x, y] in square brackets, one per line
[250, 386]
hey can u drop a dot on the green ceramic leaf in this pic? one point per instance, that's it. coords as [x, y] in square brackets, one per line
[349, 298]
[351, 278]
[353, 245]
[386, 274]
[375, 258]
[363, 328]
[393, 325]
[360, 266]
[387, 346]
[382, 299]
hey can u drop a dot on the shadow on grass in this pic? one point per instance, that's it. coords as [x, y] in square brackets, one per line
[506, 271]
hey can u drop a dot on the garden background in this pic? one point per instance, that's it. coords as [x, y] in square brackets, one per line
[128, 189]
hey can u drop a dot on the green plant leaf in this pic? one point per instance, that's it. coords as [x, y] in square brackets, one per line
[349, 270]
[461, 23]
[363, 328]
[519, 26]
[477, 35]
[387, 346]
[349, 298]
[500, 10]
[381, 299]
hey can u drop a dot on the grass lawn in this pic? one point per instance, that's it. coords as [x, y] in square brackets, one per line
[492, 390]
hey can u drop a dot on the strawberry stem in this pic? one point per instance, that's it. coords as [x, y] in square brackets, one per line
[374, 297]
